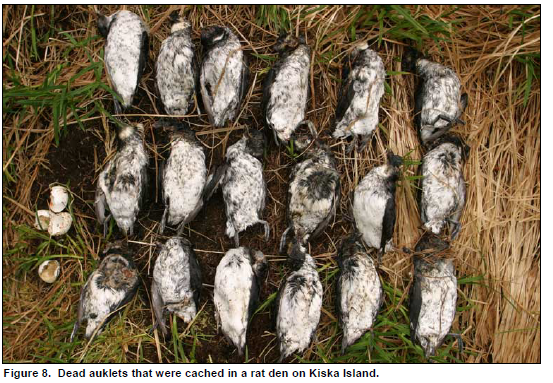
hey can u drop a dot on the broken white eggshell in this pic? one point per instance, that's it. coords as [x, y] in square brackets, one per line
[59, 196]
[42, 219]
[49, 271]
[59, 223]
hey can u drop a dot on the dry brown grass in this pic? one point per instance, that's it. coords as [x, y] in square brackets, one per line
[500, 239]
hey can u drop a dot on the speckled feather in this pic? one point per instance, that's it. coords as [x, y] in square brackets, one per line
[175, 71]
[223, 75]
[125, 53]
[358, 292]
[244, 189]
[443, 187]
[438, 95]
[286, 90]
[108, 288]
[184, 178]
[177, 282]
[374, 207]
[299, 304]
[122, 183]
[357, 109]
[313, 194]
[433, 302]
[236, 293]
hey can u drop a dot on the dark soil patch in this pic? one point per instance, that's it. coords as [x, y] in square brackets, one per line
[71, 163]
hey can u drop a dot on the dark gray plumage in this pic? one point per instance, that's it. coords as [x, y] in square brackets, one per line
[109, 287]
[358, 291]
[313, 194]
[244, 188]
[438, 100]
[362, 89]
[122, 182]
[286, 87]
[125, 54]
[175, 68]
[236, 292]
[177, 282]
[443, 185]
[374, 207]
[433, 298]
[184, 176]
[298, 305]
[224, 74]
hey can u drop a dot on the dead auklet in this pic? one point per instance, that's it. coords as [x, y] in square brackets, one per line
[433, 300]
[298, 304]
[374, 208]
[313, 194]
[286, 87]
[122, 182]
[175, 68]
[109, 287]
[443, 185]
[359, 100]
[125, 54]
[183, 175]
[224, 75]
[243, 184]
[238, 281]
[438, 100]
[358, 291]
[177, 282]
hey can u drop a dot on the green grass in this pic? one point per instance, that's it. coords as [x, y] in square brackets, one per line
[398, 23]
[275, 17]
[60, 99]
[530, 62]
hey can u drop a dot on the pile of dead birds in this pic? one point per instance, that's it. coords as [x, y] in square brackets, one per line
[222, 80]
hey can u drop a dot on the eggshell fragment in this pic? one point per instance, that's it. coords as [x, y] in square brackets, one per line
[59, 223]
[59, 196]
[42, 219]
[49, 271]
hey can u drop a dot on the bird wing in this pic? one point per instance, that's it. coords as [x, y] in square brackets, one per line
[81, 309]
[206, 90]
[266, 98]
[157, 306]
[214, 180]
[415, 303]
[338, 300]
[245, 81]
[143, 58]
[347, 93]
[388, 221]
[195, 276]
[335, 202]
[100, 204]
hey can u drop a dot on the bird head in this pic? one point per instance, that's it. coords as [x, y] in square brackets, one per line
[178, 22]
[296, 255]
[104, 23]
[287, 43]
[452, 139]
[256, 142]
[409, 59]
[213, 35]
